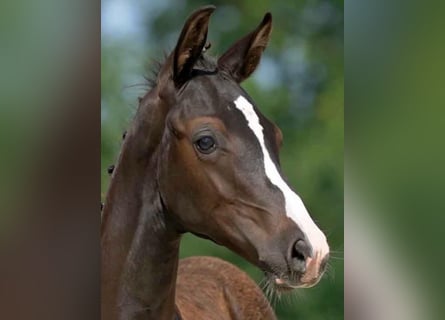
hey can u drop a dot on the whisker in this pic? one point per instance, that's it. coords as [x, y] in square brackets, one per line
[330, 273]
[135, 85]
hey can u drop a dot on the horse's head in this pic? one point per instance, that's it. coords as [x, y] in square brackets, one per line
[218, 159]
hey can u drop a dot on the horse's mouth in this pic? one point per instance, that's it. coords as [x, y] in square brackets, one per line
[283, 287]
[284, 284]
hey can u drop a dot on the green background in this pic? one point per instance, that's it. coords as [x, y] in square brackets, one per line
[299, 85]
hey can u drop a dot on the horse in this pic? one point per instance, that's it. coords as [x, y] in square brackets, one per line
[200, 157]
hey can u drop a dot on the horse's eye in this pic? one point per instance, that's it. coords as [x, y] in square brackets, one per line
[205, 144]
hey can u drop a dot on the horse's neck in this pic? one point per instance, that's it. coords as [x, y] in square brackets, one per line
[139, 247]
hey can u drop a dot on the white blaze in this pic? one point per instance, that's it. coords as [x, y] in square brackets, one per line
[295, 208]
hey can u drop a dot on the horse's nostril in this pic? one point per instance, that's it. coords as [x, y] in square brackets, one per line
[300, 251]
[297, 252]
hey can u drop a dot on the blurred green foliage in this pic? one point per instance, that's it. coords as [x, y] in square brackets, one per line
[299, 86]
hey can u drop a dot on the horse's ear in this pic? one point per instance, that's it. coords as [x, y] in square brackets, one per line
[190, 44]
[241, 60]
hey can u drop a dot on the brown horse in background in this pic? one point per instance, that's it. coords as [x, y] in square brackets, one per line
[200, 157]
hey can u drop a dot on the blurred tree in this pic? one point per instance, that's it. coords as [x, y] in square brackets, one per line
[299, 85]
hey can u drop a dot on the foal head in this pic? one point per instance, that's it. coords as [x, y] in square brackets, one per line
[217, 159]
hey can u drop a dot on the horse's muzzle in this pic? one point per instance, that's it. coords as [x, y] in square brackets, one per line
[302, 268]
[306, 267]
